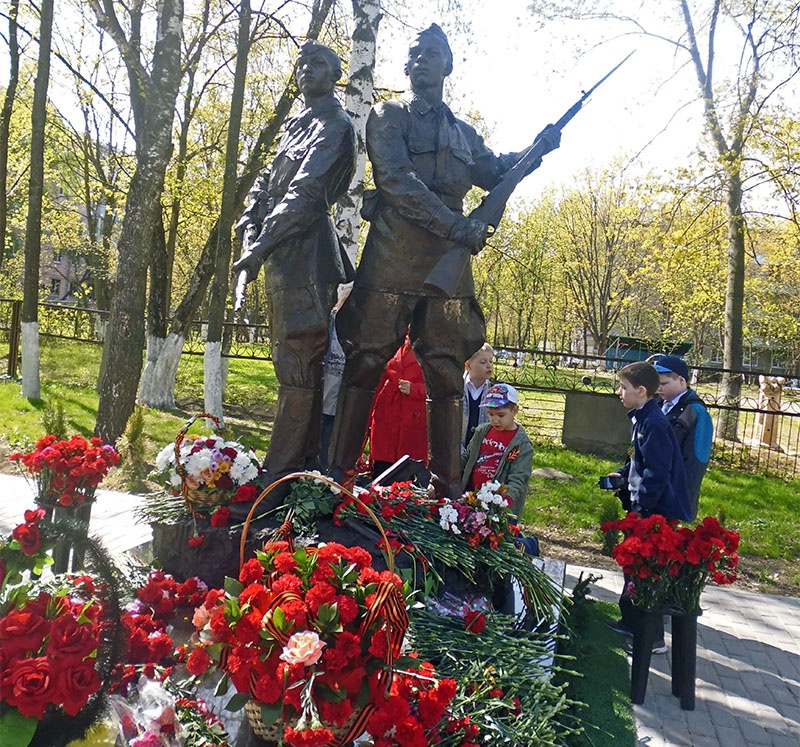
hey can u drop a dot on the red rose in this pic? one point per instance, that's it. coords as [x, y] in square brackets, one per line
[76, 684]
[31, 686]
[34, 516]
[475, 622]
[198, 662]
[29, 537]
[220, 517]
[69, 638]
[21, 632]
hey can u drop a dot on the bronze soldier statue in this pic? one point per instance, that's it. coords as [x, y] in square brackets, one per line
[424, 161]
[287, 227]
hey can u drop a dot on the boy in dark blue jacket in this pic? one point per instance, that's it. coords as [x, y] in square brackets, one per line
[689, 418]
[656, 481]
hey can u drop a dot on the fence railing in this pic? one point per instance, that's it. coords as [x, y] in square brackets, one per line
[767, 428]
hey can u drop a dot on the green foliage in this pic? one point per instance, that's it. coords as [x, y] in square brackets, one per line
[610, 510]
[53, 421]
[133, 449]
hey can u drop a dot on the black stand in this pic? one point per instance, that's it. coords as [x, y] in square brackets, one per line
[67, 557]
[684, 654]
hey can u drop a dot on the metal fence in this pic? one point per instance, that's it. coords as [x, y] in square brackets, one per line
[767, 422]
[768, 431]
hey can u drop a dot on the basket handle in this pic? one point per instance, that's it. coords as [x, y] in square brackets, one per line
[328, 481]
[218, 428]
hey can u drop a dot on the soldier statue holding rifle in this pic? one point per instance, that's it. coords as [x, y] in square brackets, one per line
[287, 227]
[424, 161]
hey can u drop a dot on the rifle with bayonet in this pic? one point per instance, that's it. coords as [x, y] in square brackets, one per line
[445, 276]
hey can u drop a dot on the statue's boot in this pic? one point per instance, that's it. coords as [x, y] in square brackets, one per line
[350, 428]
[288, 446]
[444, 443]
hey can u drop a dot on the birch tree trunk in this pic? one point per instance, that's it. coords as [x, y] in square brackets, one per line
[5, 120]
[213, 370]
[33, 224]
[358, 102]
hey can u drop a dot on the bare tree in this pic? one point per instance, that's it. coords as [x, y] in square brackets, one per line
[33, 224]
[153, 96]
[766, 63]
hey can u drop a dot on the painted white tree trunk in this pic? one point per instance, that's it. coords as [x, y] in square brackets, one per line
[215, 376]
[358, 101]
[30, 360]
[157, 388]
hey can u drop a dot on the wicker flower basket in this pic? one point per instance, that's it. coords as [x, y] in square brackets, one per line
[356, 724]
[272, 733]
[198, 497]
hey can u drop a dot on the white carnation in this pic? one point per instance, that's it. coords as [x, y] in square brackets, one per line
[165, 457]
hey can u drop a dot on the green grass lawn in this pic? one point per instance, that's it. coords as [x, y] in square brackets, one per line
[601, 679]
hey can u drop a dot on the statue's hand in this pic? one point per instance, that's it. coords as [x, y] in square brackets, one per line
[250, 263]
[551, 137]
[470, 233]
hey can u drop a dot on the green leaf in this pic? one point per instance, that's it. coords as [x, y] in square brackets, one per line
[237, 702]
[331, 695]
[233, 586]
[222, 685]
[279, 618]
[17, 730]
[270, 713]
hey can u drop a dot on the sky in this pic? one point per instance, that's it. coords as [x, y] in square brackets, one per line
[520, 77]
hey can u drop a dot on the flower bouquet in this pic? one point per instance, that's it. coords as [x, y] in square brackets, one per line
[57, 640]
[208, 470]
[482, 516]
[472, 536]
[668, 565]
[67, 473]
[307, 637]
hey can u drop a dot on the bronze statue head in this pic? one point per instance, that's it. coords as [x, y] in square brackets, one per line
[311, 48]
[431, 35]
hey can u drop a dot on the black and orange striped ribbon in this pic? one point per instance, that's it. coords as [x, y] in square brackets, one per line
[389, 605]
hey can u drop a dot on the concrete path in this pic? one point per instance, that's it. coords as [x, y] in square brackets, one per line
[748, 672]
[748, 657]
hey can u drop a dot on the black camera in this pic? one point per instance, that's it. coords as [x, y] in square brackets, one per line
[611, 482]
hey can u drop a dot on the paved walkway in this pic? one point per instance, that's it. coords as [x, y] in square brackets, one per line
[748, 656]
[748, 672]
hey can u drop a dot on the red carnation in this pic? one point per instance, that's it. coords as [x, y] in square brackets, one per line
[475, 622]
[245, 493]
[198, 662]
[220, 517]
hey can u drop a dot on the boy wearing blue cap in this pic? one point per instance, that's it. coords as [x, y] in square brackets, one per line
[689, 418]
[499, 450]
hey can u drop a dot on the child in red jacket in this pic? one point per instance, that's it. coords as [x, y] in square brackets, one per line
[398, 424]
